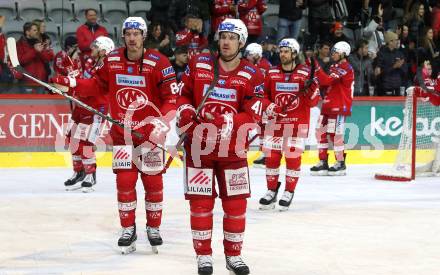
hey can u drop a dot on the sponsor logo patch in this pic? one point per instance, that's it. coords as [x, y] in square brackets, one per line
[153, 56]
[222, 94]
[203, 66]
[116, 66]
[130, 80]
[149, 62]
[286, 87]
[122, 157]
[203, 58]
[237, 181]
[168, 71]
[199, 181]
[114, 58]
[244, 74]
[249, 68]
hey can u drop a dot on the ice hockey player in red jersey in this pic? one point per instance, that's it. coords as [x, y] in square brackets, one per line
[254, 54]
[142, 90]
[86, 125]
[217, 141]
[335, 107]
[291, 88]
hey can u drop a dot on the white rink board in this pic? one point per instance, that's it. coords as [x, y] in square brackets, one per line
[351, 225]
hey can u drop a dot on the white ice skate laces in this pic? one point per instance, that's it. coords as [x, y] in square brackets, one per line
[269, 195]
[287, 196]
[204, 261]
[127, 232]
[235, 261]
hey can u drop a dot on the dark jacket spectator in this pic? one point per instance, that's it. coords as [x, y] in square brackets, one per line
[337, 34]
[180, 61]
[159, 39]
[159, 11]
[290, 18]
[179, 9]
[323, 56]
[363, 68]
[32, 54]
[391, 67]
[87, 33]
[319, 18]
[415, 20]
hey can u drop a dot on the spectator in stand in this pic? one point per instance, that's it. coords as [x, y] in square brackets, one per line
[180, 9]
[391, 69]
[180, 61]
[415, 20]
[355, 13]
[337, 34]
[192, 36]
[88, 32]
[268, 43]
[290, 18]
[435, 21]
[426, 7]
[319, 18]
[34, 57]
[67, 62]
[220, 10]
[363, 68]
[158, 38]
[309, 51]
[323, 56]
[373, 32]
[159, 11]
[251, 12]
[43, 37]
[403, 33]
[430, 49]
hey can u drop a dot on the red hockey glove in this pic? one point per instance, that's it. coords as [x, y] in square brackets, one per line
[274, 110]
[64, 81]
[186, 119]
[156, 131]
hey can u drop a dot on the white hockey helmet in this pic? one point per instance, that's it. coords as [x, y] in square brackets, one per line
[137, 23]
[235, 26]
[104, 43]
[290, 43]
[254, 49]
[342, 47]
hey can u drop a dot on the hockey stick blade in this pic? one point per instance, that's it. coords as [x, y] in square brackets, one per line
[12, 51]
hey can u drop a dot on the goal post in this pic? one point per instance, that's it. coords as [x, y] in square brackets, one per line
[418, 153]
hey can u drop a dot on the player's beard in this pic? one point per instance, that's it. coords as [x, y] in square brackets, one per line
[286, 61]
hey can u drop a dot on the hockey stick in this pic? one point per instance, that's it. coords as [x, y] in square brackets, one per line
[199, 108]
[12, 52]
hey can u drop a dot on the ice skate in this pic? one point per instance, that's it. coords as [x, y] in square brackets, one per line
[268, 201]
[320, 169]
[286, 200]
[260, 162]
[236, 266]
[154, 238]
[204, 264]
[74, 182]
[338, 169]
[88, 182]
[127, 241]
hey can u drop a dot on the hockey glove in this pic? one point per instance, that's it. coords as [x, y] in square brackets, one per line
[67, 81]
[186, 119]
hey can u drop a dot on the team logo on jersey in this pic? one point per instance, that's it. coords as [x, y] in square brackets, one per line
[130, 69]
[287, 87]
[168, 71]
[215, 107]
[130, 80]
[131, 99]
[222, 94]
[291, 101]
[203, 58]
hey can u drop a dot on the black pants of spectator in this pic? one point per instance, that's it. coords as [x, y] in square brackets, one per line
[318, 27]
[252, 39]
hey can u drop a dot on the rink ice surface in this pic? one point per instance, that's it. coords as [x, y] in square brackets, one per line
[337, 225]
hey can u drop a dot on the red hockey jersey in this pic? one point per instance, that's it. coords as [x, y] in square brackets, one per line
[339, 95]
[195, 42]
[264, 66]
[137, 91]
[287, 91]
[237, 92]
[251, 14]
[220, 11]
[65, 65]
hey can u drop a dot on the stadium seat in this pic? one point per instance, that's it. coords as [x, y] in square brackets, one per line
[7, 8]
[113, 34]
[69, 28]
[13, 29]
[114, 11]
[139, 8]
[31, 10]
[59, 11]
[53, 30]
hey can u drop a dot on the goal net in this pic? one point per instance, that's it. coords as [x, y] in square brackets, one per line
[419, 148]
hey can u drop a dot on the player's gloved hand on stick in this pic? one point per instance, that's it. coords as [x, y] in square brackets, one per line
[67, 81]
[186, 119]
